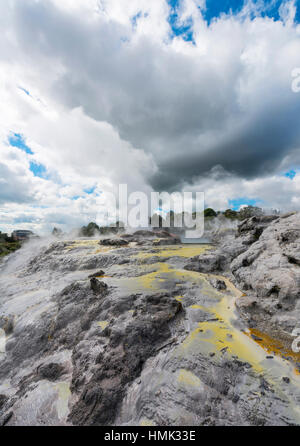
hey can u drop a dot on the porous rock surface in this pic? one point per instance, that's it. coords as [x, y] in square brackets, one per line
[269, 272]
[263, 258]
[154, 340]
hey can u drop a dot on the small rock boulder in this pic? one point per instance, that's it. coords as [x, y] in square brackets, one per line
[97, 274]
[208, 263]
[144, 233]
[7, 324]
[113, 242]
[172, 240]
[51, 371]
[218, 284]
[98, 287]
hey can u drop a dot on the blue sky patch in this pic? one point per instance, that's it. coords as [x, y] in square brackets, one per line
[214, 9]
[270, 8]
[25, 219]
[90, 190]
[135, 18]
[17, 140]
[38, 170]
[290, 174]
[236, 203]
[186, 31]
[24, 91]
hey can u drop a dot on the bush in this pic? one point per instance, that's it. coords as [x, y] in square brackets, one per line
[209, 212]
[89, 230]
[93, 229]
[229, 213]
[250, 211]
[8, 247]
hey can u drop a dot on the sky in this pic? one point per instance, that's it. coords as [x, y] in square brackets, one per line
[161, 95]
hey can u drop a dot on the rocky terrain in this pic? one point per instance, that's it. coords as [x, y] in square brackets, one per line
[263, 259]
[139, 329]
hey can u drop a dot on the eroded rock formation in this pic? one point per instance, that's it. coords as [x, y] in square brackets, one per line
[154, 336]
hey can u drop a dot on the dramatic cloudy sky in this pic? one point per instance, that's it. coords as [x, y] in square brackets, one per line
[160, 95]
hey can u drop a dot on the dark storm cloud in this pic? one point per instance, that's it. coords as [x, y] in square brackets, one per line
[254, 151]
[191, 111]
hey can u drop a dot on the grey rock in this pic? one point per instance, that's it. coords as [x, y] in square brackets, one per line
[208, 263]
[269, 270]
[51, 371]
[218, 284]
[144, 233]
[116, 351]
[113, 242]
[122, 362]
[171, 240]
[7, 324]
[6, 418]
[3, 400]
[98, 287]
[97, 274]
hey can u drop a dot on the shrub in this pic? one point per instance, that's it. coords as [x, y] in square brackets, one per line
[209, 212]
[229, 213]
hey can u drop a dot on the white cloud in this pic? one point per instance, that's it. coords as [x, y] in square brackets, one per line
[275, 191]
[287, 12]
[114, 98]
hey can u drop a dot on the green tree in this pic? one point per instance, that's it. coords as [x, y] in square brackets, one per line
[158, 218]
[231, 214]
[89, 230]
[250, 211]
[209, 212]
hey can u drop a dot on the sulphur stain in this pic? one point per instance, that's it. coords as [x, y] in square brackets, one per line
[2, 341]
[197, 307]
[62, 404]
[103, 324]
[146, 422]
[178, 298]
[273, 346]
[88, 245]
[188, 378]
[81, 244]
[157, 280]
[218, 334]
[164, 273]
[176, 251]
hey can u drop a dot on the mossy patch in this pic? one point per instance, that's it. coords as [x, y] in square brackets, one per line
[8, 247]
